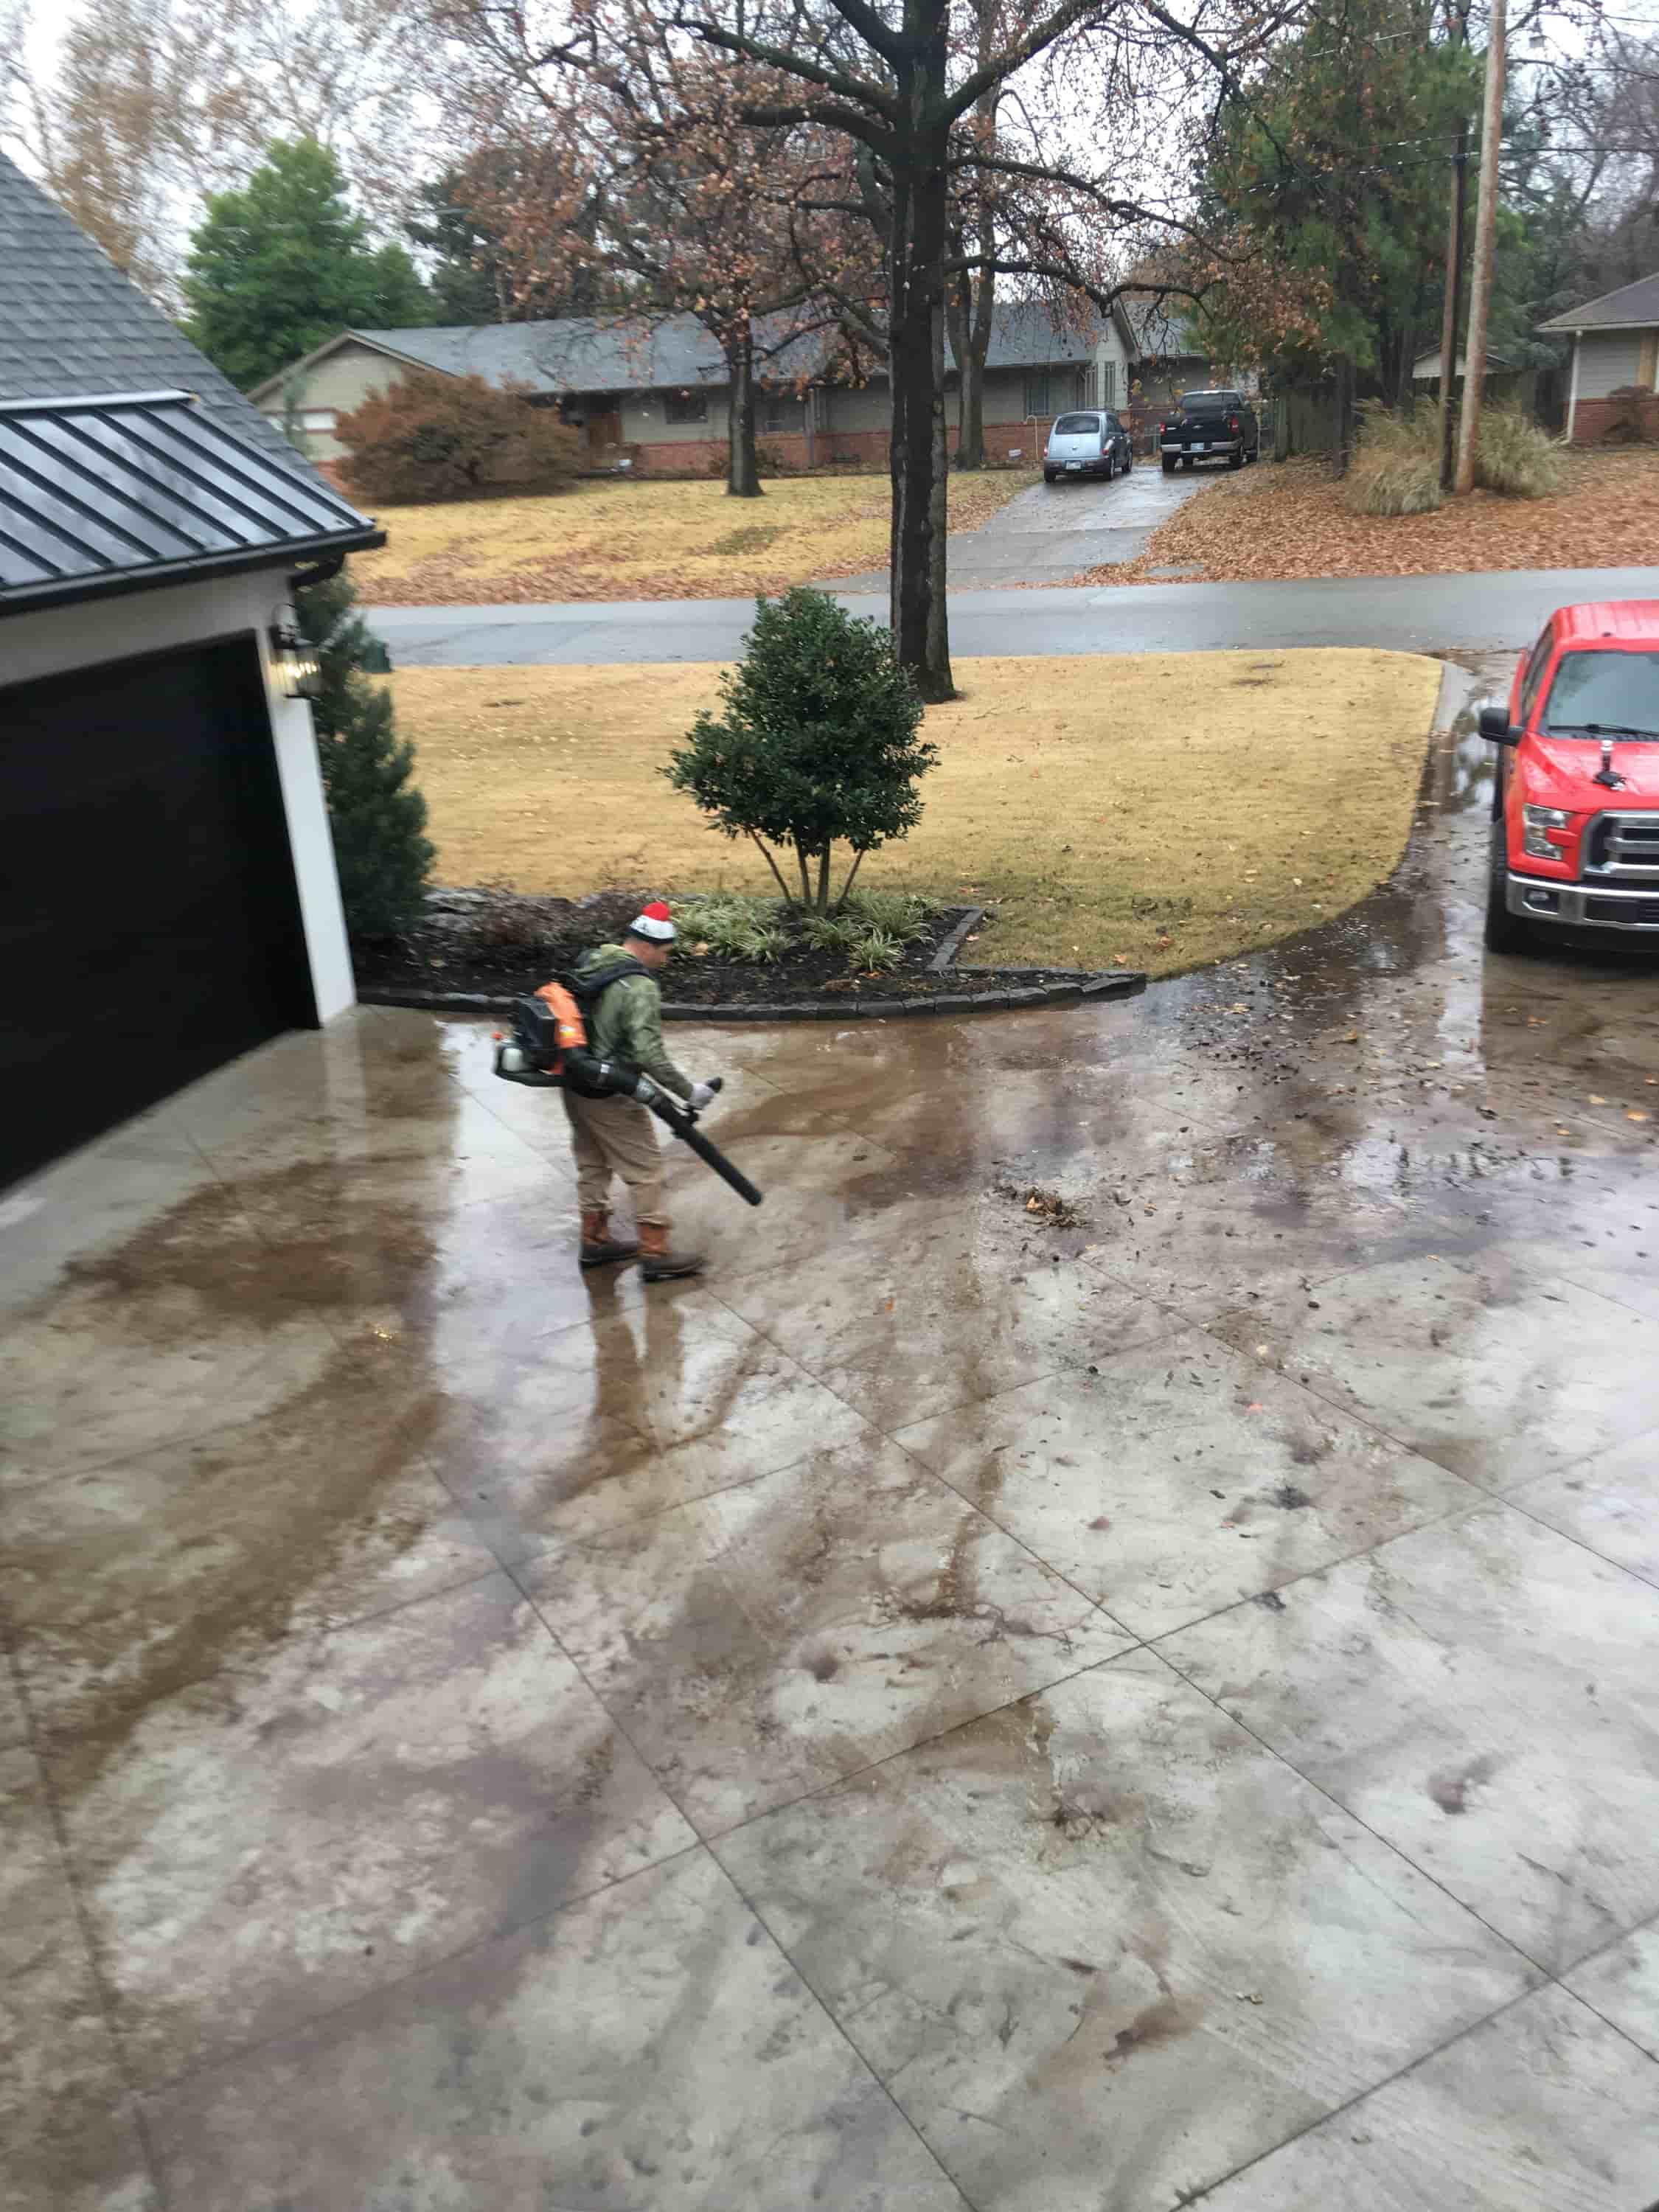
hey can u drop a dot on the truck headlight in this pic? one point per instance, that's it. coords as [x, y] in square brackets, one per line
[1537, 822]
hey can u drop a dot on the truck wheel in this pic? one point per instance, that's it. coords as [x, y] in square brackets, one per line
[1236, 460]
[1128, 463]
[1169, 464]
[1505, 932]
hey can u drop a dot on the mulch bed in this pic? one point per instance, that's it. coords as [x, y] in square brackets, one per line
[478, 950]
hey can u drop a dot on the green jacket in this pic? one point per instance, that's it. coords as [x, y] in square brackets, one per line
[626, 1023]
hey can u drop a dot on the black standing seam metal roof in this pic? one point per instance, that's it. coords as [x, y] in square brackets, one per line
[118, 492]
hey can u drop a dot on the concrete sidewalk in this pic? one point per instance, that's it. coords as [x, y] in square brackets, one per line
[941, 1713]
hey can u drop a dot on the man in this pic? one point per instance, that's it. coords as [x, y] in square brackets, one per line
[615, 1136]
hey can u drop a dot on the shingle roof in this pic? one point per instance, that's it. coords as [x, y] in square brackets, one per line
[71, 323]
[1162, 332]
[580, 355]
[100, 494]
[1636, 304]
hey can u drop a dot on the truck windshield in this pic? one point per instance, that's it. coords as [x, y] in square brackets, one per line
[1615, 690]
[1076, 426]
[1209, 400]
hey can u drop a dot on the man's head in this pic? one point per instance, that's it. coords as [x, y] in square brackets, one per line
[650, 936]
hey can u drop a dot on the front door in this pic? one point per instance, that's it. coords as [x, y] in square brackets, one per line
[603, 434]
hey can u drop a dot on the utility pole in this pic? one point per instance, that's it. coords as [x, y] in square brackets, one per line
[1486, 237]
[1451, 313]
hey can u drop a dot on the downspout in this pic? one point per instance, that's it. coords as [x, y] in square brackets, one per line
[1572, 388]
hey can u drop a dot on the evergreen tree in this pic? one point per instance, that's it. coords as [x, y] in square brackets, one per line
[819, 743]
[1331, 173]
[377, 815]
[281, 265]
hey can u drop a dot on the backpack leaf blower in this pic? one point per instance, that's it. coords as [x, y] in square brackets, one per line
[548, 1050]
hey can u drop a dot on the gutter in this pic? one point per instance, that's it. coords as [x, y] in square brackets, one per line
[194, 568]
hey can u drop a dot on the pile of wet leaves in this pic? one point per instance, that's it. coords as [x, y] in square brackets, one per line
[1046, 1209]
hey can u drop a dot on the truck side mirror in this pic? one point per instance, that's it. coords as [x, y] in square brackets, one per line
[1494, 725]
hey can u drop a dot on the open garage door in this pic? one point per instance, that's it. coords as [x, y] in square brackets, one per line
[148, 919]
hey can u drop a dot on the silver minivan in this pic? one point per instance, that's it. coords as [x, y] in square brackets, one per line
[1089, 442]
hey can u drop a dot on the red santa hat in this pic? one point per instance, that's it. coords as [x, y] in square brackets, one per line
[654, 923]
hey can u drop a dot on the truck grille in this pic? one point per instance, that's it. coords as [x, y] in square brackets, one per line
[1627, 913]
[1622, 845]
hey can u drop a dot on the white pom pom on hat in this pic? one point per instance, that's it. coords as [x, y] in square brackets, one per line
[655, 922]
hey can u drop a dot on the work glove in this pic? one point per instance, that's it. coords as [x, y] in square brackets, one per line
[703, 1095]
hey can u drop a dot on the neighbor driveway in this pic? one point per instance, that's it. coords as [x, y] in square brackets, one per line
[1052, 532]
[943, 1712]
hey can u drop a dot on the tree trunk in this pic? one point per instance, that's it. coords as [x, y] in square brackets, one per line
[1485, 246]
[1343, 434]
[824, 880]
[918, 458]
[742, 470]
[1451, 313]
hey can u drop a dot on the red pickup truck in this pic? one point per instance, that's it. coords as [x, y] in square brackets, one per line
[1575, 838]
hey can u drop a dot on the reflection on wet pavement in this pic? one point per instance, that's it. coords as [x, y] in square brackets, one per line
[944, 1711]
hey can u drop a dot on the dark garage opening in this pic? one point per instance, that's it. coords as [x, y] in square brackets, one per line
[150, 921]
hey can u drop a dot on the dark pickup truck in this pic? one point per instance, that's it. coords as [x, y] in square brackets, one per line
[1210, 425]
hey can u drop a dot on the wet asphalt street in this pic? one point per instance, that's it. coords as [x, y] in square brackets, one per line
[943, 1712]
[1490, 612]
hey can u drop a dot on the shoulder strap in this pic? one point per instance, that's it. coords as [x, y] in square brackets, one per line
[589, 986]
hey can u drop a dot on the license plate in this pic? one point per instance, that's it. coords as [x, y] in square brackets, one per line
[1201, 448]
[1074, 465]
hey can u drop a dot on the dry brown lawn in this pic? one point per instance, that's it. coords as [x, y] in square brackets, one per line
[645, 540]
[1274, 522]
[1159, 811]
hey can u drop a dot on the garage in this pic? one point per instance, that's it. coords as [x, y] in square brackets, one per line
[153, 927]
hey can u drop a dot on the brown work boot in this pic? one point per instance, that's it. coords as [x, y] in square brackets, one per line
[599, 1246]
[657, 1263]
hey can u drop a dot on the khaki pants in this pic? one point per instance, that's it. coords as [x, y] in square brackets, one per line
[615, 1136]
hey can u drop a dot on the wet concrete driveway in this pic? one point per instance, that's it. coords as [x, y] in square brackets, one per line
[947, 1711]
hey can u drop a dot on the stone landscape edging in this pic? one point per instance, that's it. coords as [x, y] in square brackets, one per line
[1052, 990]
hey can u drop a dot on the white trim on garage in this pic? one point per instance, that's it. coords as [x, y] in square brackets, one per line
[58, 641]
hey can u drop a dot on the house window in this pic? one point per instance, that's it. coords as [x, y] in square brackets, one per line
[1050, 392]
[1109, 384]
[317, 418]
[687, 406]
[777, 412]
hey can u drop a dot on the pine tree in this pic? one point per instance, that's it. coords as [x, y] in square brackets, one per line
[281, 265]
[377, 815]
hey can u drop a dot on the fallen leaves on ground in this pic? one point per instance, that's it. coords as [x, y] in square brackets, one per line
[1047, 1208]
[646, 539]
[1275, 523]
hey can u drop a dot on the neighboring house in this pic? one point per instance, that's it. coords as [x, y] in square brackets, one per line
[1615, 344]
[169, 893]
[1170, 359]
[654, 394]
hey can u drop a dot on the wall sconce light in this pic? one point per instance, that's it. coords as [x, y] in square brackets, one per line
[294, 662]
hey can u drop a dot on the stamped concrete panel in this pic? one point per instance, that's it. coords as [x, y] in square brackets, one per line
[1544, 2109]
[915, 1334]
[1483, 1694]
[70, 2141]
[262, 1848]
[127, 1583]
[1496, 1374]
[647, 2048]
[777, 1636]
[1622, 1984]
[1609, 1503]
[1103, 1948]
[662, 1401]
[1180, 1478]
